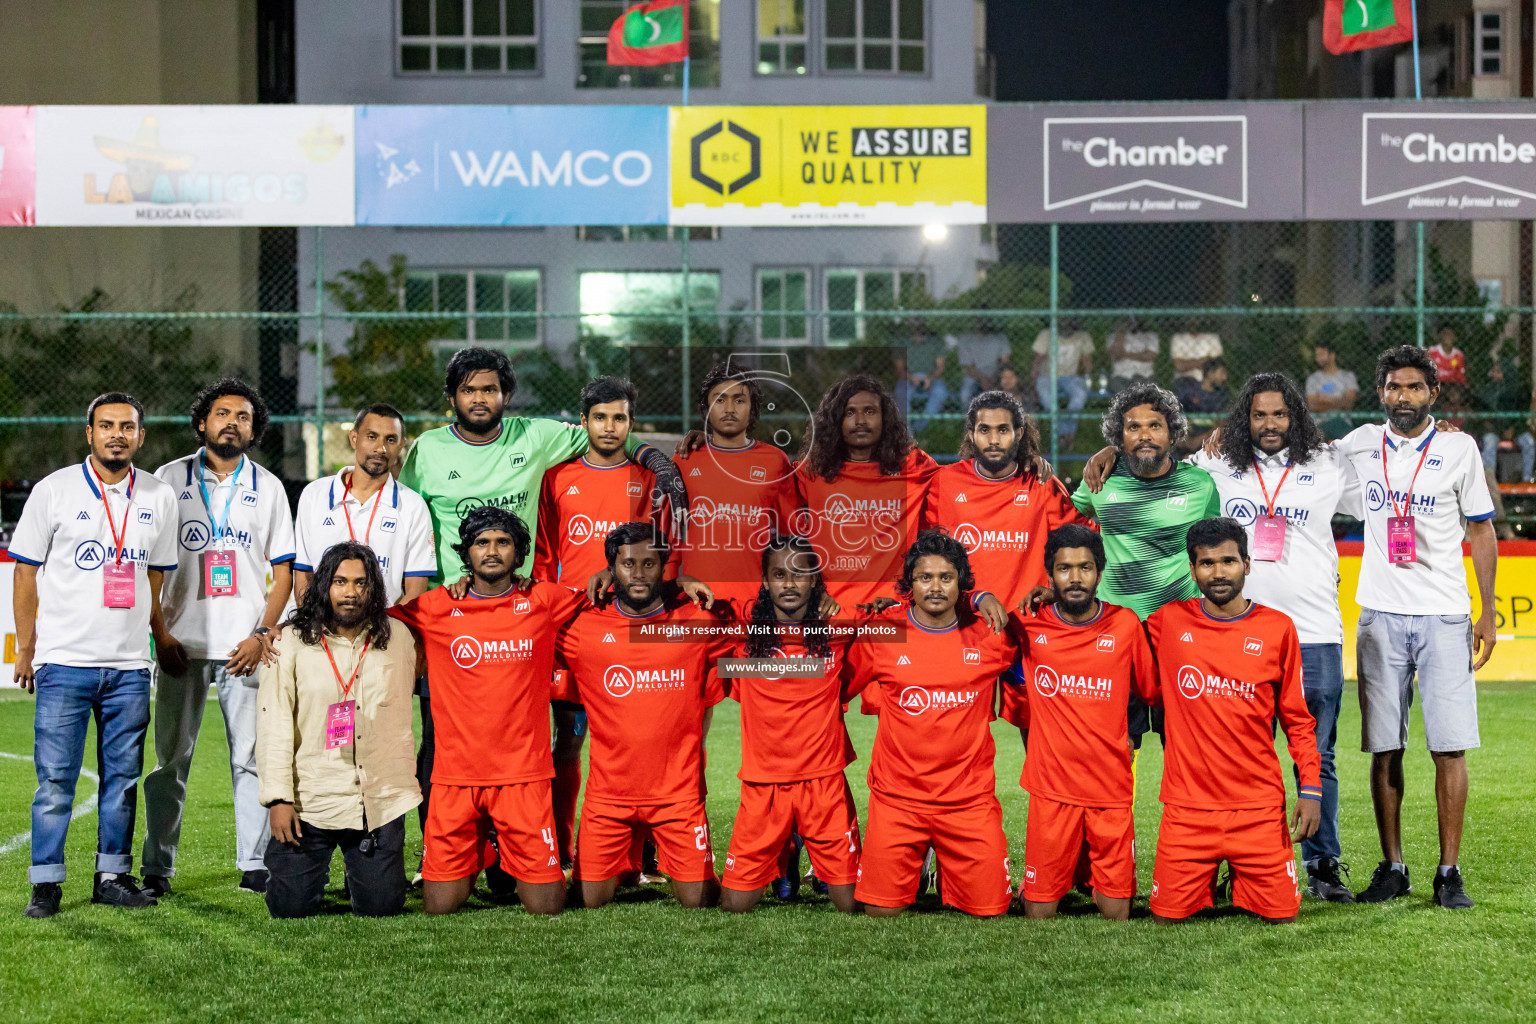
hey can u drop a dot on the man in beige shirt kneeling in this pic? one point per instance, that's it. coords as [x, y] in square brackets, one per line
[334, 749]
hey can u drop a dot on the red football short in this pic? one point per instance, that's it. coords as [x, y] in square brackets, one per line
[606, 844]
[969, 840]
[821, 810]
[462, 819]
[1053, 845]
[1256, 844]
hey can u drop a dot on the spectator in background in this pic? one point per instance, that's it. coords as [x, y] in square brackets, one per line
[1132, 355]
[1450, 361]
[1191, 351]
[921, 385]
[1505, 392]
[982, 353]
[1008, 381]
[1331, 390]
[1210, 395]
[1074, 363]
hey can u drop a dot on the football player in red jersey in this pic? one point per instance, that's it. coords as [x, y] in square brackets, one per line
[1083, 658]
[794, 745]
[1228, 668]
[931, 780]
[490, 655]
[644, 667]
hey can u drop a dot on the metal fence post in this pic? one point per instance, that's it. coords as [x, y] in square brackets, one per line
[319, 352]
[687, 341]
[1419, 288]
[1053, 412]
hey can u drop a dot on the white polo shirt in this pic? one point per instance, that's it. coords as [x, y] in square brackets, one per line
[64, 530]
[260, 533]
[1304, 583]
[1450, 490]
[401, 532]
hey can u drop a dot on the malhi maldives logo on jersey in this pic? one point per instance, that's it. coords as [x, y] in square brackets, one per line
[1050, 683]
[469, 651]
[581, 529]
[917, 700]
[1195, 683]
[977, 540]
[621, 680]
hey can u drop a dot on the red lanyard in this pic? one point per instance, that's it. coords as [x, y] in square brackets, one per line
[1259, 471]
[369, 531]
[1407, 498]
[346, 687]
[117, 538]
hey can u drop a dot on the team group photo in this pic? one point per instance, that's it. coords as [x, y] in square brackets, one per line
[813, 510]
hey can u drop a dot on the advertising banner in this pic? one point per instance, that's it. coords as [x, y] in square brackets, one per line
[457, 165]
[235, 165]
[1126, 162]
[1421, 161]
[805, 166]
[17, 168]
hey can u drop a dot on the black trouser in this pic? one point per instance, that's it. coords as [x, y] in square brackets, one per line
[297, 875]
[424, 755]
[1141, 719]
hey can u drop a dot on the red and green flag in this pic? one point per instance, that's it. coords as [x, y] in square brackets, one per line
[653, 33]
[1350, 25]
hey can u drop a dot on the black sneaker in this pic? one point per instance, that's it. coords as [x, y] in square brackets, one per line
[121, 891]
[1450, 893]
[1323, 881]
[1388, 883]
[158, 886]
[253, 881]
[45, 899]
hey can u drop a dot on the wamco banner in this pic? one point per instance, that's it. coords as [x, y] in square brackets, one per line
[791, 166]
[1421, 161]
[455, 165]
[1126, 162]
[261, 165]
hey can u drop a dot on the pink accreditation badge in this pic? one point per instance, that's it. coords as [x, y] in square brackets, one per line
[117, 579]
[339, 724]
[1269, 538]
[219, 573]
[1401, 544]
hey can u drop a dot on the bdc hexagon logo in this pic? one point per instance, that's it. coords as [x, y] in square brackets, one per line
[722, 155]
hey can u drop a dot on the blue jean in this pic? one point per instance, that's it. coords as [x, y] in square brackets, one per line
[1075, 389]
[933, 399]
[1527, 443]
[67, 699]
[1322, 680]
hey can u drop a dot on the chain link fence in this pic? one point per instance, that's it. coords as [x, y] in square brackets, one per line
[937, 313]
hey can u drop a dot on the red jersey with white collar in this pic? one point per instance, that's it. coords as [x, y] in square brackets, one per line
[737, 499]
[792, 726]
[579, 504]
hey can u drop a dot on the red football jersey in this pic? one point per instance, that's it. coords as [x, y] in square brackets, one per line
[1223, 682]
[937, 691]
[1078, 677]
[489, 660]
[792, 726]
[578, 505]
[1002, 523]
[862, 523]
[737, 499]
[645, 698]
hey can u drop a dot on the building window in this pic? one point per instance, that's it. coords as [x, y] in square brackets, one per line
[1488, 43]
[594, 71]
[851, 291]
[468, 36]
[877, 36]
[643, 307]
[498, 306]
[781, 302]
[644, 233]
[781, 37]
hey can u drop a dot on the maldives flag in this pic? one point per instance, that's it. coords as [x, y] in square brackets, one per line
[1362, 24]
[653, 33]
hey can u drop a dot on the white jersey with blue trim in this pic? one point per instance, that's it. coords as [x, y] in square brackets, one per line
[394, 522]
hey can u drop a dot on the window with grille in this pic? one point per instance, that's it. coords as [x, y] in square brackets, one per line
[451, 37]
[1488, 43]
[643, 233]
[853, 291]
[643, 307]
[782, 298]
[782, 41]
[496, 306]
[880, 36]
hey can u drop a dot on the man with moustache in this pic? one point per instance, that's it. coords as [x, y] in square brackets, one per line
[1424, 490]
[220, 607]
[91, 550]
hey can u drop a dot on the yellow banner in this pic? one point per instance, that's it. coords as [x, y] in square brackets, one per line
[1514, 593]
[829, 165]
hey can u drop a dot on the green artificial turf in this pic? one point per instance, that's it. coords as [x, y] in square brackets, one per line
[209, 952]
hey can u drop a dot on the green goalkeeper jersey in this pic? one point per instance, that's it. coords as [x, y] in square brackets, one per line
[1144, 522]
[454, 475]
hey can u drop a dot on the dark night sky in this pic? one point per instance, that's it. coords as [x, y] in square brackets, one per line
[1109, 49]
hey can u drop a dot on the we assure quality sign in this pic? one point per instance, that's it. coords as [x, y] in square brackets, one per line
[828, 165]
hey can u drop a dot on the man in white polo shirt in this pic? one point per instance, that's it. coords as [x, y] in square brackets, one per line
[1283, 483]
[363, 503]
[1423, 491]
[92, 546]
[220, 608]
